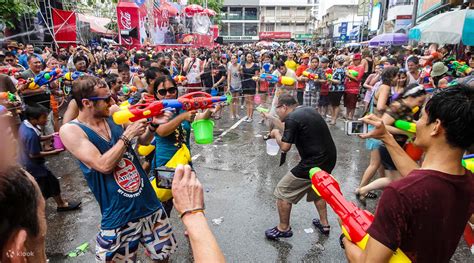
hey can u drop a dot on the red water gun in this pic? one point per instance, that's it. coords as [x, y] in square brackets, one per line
[355, 221]
[10, 71]
[309, 75]
[191, 101]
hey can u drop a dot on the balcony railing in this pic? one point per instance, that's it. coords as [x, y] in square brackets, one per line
[239, 17]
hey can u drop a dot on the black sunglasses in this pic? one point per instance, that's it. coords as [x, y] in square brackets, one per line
[171, 90]
[107, 99]
[9, 60]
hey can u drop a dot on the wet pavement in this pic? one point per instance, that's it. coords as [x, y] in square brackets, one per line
[238, 179]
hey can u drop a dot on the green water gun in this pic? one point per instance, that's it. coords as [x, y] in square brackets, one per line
[81, 249]
[262, 109]
[406, 126]
[468, 162]
[353, 73]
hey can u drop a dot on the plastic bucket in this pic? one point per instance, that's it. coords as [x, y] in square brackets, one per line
[272, 147]
[414, 152]
[203, 131]
[57, 143]
[214, 92]
[257, 99]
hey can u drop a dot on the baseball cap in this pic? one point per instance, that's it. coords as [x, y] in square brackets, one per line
[357, 56]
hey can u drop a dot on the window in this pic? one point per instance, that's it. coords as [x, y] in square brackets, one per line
[224, 30]
[285, 8]
[235, 13]
[236, 29]
[285, 11]
[310, 2]
[285, 27]
[300, 27]
[251, 29]
[250, 14]
[224, 13]
[271, 8]
[301, 8]
[270, 27]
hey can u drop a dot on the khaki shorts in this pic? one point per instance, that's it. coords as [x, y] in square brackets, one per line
[292, 189]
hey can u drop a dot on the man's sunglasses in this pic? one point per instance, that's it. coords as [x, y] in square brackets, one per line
[171, 90]
[9, 60]
[107, 99]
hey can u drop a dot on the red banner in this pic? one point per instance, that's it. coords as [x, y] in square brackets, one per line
[64, 23]
[274, 35]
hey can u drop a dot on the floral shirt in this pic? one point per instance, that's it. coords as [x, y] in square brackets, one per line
[339, 74]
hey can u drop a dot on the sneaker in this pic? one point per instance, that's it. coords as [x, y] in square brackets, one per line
[249, 119]
[275, 233]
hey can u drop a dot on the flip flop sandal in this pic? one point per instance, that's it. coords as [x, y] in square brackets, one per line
[323, 229]
[275, 233]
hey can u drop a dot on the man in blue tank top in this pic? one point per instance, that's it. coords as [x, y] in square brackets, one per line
[131, 212]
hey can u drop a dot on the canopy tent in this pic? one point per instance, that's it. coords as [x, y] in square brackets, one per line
[97, 24]
[395, 39]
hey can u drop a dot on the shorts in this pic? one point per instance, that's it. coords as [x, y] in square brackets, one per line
[335, 98]
[292, 189]
[235, 90]
[372, 144]
[121, 244]
[249, 91]
[386, 159]
[323, 101]
[49, 185]
[350, 100]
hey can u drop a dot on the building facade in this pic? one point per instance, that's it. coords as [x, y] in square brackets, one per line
[240, 21]
[339, 25]
[251, 20]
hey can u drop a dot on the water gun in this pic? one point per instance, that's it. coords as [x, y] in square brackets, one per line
[3, 109]
[126, 90]
[329, 73]
[73, 75]
[262, 109]
[283, 80]
[10, 71]
[192, 101]
[468, 162]
[310, 76]
[355, 221]
[45, 77]
[406, 126]
[179, 79]
[461, 67]
[7, 96]
[353, 73]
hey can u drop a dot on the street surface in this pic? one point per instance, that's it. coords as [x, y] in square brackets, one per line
[238, 179]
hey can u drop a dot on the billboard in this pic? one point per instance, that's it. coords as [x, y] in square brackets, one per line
[426, 6]
[274, 35]
[375, 18]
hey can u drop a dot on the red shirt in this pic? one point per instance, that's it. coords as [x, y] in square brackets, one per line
[299, 72]
[351, 86]
[424, 214]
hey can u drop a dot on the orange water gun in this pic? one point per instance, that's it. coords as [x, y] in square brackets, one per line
[179, 79]
[355, 221]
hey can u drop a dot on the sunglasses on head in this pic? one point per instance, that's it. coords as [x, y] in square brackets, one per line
[171, 90]
[107, 99]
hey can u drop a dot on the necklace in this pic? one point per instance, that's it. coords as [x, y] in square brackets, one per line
[104, 134]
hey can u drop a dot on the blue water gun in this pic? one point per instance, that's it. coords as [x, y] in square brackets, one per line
[45, 77]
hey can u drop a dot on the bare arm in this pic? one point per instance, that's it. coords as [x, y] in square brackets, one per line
[383, 94]
[71, 112]
[374, 252]
[367, 81]
[400, 158]
[188, 195]
[284, 147]
[168, 128]
[76, 141]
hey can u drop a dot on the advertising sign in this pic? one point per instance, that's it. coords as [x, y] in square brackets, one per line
[426, 6]
[274, 35]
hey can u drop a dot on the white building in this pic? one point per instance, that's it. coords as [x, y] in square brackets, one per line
[240, 21]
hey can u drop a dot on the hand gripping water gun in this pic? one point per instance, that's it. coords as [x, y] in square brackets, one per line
[468, 162]
[310, 76]
[191, 101]
[406, 126]
[353, 73]
[7, 96]
[73, 75]
[179, 79]
[329, 73]
[45, 77]
[355, 221]
[126, 90]
[283, 80]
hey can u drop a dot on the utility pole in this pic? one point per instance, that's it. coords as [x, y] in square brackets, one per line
[414, 13]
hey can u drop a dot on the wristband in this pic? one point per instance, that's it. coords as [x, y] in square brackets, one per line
[125, 140]
[192, 211]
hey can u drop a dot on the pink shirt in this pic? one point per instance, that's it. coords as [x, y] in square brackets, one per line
[352, 87]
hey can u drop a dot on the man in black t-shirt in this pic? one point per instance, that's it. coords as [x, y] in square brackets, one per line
[304, 127]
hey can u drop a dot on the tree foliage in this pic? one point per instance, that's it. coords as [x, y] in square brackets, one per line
[12, 10]
[215, 5]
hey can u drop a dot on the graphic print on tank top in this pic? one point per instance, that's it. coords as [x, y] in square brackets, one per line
[127, 177]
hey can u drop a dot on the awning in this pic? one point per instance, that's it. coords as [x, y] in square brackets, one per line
[97, 24]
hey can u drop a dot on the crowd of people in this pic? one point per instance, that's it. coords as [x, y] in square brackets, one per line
[431, 85]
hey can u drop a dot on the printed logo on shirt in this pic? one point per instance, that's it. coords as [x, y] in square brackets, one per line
[127, 176]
